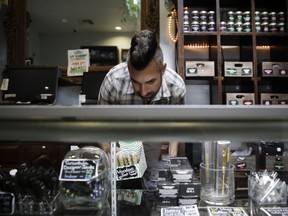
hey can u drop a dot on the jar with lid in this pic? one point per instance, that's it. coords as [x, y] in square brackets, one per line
[246, 16]
[195, 15]
[264, 16]
[265, 27]
[238, 15]
[257, 16]
[272, 17]
[231, 26]
[195, 27]
[203, 26]
[257, 26]
[281, 27]
[211, 26]
[186, 14]
[223, 26]
[186, 26]
[211, 16]
[85, 179]
[273, 27]
[230, 16]
[281, 17]
[247, 27]
[203, 16]
[239, 26]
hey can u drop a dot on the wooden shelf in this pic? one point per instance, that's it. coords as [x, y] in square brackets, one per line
[248, 46]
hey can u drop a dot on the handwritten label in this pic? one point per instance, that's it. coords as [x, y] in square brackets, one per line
[77, 170]
[7, 203]
[127, 172]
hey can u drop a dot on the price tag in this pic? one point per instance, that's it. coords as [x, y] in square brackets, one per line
[276, 211]
[7, 203]
[191, 210]
[78, 170]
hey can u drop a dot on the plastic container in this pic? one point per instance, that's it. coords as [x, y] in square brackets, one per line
[217, 184]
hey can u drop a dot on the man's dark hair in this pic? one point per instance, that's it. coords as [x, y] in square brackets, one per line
[143, 48]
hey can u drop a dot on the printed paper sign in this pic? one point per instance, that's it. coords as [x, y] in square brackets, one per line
[78, 62]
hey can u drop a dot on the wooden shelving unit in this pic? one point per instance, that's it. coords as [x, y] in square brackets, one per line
[222, 46]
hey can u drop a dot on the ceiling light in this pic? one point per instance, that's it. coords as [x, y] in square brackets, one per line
[118, 28]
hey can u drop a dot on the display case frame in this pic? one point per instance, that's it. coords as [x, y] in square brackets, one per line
[184, 123]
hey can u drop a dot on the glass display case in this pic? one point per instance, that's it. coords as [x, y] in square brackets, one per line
[35, 139]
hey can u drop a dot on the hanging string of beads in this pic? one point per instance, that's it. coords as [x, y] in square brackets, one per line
[172, 16]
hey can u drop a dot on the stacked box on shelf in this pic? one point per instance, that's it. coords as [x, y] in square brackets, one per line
[274, 69]
[238, 69]
[240, 98]
[274, 99]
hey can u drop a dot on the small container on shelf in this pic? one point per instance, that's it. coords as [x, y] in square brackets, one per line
[211, 16]
[223, 26]
[246, 16]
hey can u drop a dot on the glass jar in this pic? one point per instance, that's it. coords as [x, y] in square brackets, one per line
[264, 16]
[195, 15]
[257, 16]
[281, 27]
[186, 26]
[247, 27]
[211, 26]
[246, 16]
[85, 179]
[195, 27]
[272, 17]
[203, 26]
[203, 16]
[186, 14]
[273, 27]
[239, 26]
[238, 16]
[265, 27]
[211, 16]
[231, 16]
[257, 26]
[230, 26]
[281, 17]
[223, 26]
